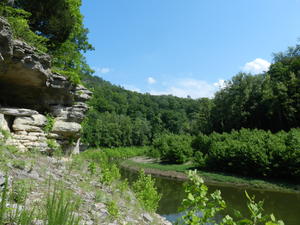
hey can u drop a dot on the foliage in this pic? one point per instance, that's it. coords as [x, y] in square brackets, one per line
[110, 174]
[53, 146]
[19, 19]
[72, 75]
[102, 156]
[5, 134]
[92, 168]
[112, 209]
[247, 101]
[146, 192]
[46, 18]
[19, 215]
[173, 148]
[39, 24]
[202, 208]
[19, 191]
[251, 153]
[49, 123]
[122, 118]
[60, 209]
[198, 202]
[19, 164]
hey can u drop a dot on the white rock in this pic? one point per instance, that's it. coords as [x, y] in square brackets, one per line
[34, 120]
[3, 123]
[26, 137]
[66, 128]
[19, 127]
[147, 217]
[53, 136]
[18, 112]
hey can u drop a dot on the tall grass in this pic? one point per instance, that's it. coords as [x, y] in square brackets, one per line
[60, 209]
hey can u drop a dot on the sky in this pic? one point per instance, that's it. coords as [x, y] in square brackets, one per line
[186, 47]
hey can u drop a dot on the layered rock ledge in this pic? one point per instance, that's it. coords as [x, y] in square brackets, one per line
[29, 91]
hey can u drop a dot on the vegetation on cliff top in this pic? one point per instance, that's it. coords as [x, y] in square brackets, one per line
[39, 24]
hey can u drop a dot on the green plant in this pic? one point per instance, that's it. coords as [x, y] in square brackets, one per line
[246, 152]
[201, 207]
[197, 200]
[55, 148]
[73, 76]
[6, 134]
[146, 192]
[20, 189]
[3, 200]
[113, 209]
[173, 148]
[50, 120]
[19, 164]
[110, 174]
[19, 215]
[60, 209]
[92, 168]
[99, 196]
[19, 21]
[123, 185]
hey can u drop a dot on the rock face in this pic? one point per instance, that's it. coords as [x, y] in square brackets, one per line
[29, 91]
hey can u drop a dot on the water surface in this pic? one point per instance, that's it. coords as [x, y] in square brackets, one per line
[285, 206]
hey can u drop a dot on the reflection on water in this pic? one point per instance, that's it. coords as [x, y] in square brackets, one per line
[285, 206]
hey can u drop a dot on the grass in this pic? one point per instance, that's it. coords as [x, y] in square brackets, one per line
[223, 179]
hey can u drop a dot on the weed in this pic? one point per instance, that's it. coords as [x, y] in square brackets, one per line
[19, 191]
[92, 168]
[60, 209]
[49, 124]
[110, 174]
[19, 164]
[99, 196]
[146, 191]
[113, 209]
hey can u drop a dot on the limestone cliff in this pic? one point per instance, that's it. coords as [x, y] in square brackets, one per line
[29, 91]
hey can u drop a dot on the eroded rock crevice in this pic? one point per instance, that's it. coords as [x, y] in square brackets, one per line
[29, 91]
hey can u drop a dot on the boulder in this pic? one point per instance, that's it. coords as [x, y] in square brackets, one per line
[66, 129]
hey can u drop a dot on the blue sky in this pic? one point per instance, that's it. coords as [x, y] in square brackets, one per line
[186, 47]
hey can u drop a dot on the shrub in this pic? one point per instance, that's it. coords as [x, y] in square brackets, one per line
[173, 148]
[199, 200]
[146, 192]
[112, 209]
[110, 174]
[19, 22]
[250, 152]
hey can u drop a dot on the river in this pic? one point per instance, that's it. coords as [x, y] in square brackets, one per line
[285, 206]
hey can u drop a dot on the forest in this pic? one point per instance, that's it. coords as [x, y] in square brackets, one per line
[265, 108]
[268, 101]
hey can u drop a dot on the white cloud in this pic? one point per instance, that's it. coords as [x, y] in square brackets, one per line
[220, 84]
[257, 66]
[151, 80]
[190, 87]
[131, 88]
[102, 70]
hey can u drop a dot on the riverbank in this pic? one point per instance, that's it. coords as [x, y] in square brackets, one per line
[175, 171]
